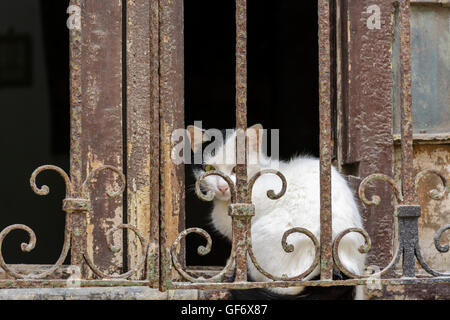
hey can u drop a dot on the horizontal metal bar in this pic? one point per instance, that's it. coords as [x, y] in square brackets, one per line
[443, 3]
[427, 138]
[115, 293]
[314, 283]
[10, 284]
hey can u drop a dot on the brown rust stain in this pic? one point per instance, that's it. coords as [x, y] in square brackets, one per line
[171, 112]
[139, 127]
[365, 112]
[435, 214]
[101, 122]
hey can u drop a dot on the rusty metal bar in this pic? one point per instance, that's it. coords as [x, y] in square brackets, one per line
[101, 121]
[139, 124]
[74, 220]
[406, 105]
[241, 224]
[326, 258]
[153, 258]
[171, 99]
[5, 284]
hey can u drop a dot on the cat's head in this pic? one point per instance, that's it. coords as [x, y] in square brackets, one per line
[220, 155]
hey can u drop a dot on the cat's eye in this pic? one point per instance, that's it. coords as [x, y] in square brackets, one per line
[233, 170]
[209, 167]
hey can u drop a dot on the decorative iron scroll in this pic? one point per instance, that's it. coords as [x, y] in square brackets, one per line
[79, 206]
[238, 211]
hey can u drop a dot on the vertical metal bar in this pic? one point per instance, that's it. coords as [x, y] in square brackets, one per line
[241, 225]
[102, 126]
[406, 103]
[76, 220]
[241, 99]
[409, 237]
[139, 131]
[241, 64]
[171, 117]
[153, 259]
[326, 260]
[366, 143]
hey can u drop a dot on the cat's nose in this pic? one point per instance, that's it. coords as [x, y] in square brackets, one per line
[223, 188]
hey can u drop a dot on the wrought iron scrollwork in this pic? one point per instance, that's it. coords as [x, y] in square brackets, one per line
[210, 195]
[202, 251]
[43, 190]
[239, 210]
[434, 194]
[288, 248]
[407, 234]
[375, 198]
[437, 239]
[72, 204]
[114, 248]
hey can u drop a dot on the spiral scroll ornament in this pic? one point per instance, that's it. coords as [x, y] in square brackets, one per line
[72, 204]
[240, 211]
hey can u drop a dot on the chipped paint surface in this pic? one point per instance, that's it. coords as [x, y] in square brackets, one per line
[101, 143]
[171, 85]
[139, 126]
[364, 113]
[435, 214]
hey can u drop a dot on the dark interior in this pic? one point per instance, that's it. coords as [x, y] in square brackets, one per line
[282, 94]
[282, 86]
[34, 127]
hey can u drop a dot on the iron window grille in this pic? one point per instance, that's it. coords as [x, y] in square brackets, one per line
[160, 257]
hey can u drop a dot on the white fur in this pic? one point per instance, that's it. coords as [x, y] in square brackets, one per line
[299, 207]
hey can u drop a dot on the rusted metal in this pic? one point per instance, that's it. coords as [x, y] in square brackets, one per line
[311, 283]
[76, 109]
[289, 248]
[241, 225]
[139, 125]
[171, 115]
[437, 239]
[153, 263]
[365, 112]
[210, 195]
[437, 138]
[138, 264]
[100, 119]
[270, 193]
[4, 284]
[79, 207]
[406, 104]
[202, 250]
[363, 249]
[241, 214]
[326, 146]
[376, 200]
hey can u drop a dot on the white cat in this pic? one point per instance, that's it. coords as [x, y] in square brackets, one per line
[299, 207]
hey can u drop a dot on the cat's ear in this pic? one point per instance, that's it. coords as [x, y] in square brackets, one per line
[196, 137]
[254, 133]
